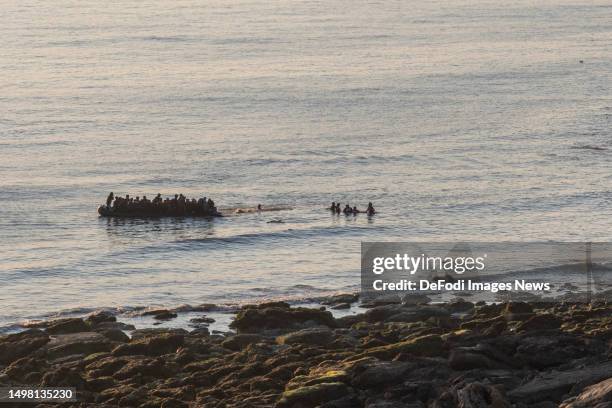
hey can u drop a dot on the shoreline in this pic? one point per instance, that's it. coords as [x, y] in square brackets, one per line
[514, 354]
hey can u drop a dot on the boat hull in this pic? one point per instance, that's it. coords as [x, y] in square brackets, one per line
[105, 211]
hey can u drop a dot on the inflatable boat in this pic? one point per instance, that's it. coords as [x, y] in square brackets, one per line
[154, 212]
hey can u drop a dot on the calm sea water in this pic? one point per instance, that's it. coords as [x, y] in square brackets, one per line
[460, 120]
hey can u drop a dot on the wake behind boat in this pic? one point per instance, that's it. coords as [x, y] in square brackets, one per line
[178, 206]
[259, 208]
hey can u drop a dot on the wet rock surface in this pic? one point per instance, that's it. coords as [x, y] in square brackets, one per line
[459, 354]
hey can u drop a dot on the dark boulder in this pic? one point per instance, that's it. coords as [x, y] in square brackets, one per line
[313, 337]
[252, 320]
[240, 341]
[545, 321]
[598, 395]
[16, 346]
[67, 326]
[96, 318]
[313, 395]
[151, 346]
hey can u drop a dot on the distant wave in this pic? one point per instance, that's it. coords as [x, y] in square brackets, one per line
[170, 38]
[590, 147]
[250, 238]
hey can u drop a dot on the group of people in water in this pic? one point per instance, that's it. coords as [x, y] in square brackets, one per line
[348, 210]
[179, 205]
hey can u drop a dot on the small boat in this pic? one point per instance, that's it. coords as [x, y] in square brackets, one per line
[156, 212]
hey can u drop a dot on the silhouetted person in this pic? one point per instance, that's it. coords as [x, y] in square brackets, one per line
[355, 210]
[333, 206]
[370, 210]
[109, 199]
[337, 208]
[347, 210]
[258, 207]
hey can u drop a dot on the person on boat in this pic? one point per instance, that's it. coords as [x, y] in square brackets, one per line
[355, 210]
[347, 210]
[370, 210]
[333, 207]
[109, 199]
[181, 207]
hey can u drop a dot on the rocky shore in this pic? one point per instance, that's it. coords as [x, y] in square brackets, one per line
[457, 354]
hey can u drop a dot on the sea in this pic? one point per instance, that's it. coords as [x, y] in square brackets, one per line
[459, 120]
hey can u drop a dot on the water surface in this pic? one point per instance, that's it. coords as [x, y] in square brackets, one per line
[460, 120]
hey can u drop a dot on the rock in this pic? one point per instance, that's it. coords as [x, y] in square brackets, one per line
[554, 385]
[459, 306]
[318, 377]
[518, 311]
[151, 346]
[478, 395]
[545, 321]
[84, 343]
[202, 320]
[382, 300]
[297, 362]
[96, 318]
[266, 305]
[597, 395]
[253, 320]
[145, 367]
[240, 341]
[394, 404]
[481, 324]
[16, 346]
[115, 335]
[314, 395]
[105, 366]
[160, 314]
[313, 337]
[113, 326]
[495, 329]
[348, 321]
[173, 403]
[204, 307]
[430, 345]
[379, 373]
[465, 360]
[133, 399]
[67, 326]
[26, 370]
[200, 332]
[341, 299]
[341, 306]
[546, 351]
[113, 395]
[402, 313]
[100, 384]
[63, 377]
[142, 334]
[484, 310]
